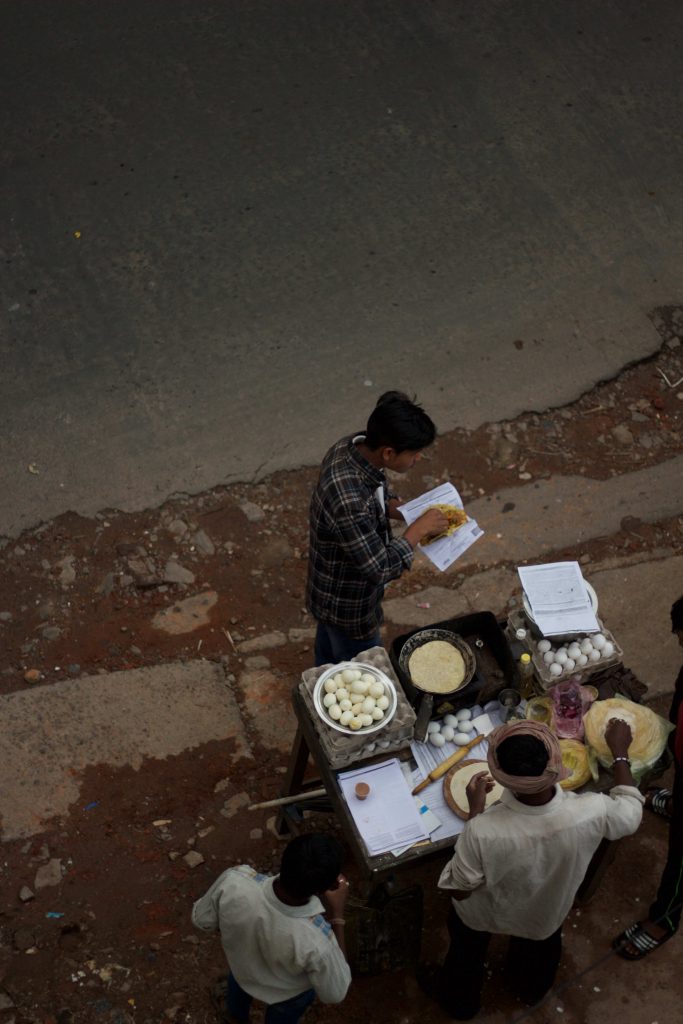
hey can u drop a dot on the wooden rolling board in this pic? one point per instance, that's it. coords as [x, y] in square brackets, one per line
[458, 802]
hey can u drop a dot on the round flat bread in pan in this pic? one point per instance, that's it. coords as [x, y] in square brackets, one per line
[455, 785]
[437, 667]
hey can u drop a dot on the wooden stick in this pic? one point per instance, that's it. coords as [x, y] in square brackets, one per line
[282, 800]
[444, 766]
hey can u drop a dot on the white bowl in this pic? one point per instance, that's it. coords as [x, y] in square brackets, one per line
[389, 691]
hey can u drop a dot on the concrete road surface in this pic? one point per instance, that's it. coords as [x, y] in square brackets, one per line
[228, 227]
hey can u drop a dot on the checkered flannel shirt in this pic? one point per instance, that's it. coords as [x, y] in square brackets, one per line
[352, 552]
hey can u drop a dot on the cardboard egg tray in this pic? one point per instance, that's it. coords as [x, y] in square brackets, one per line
[342, 750]
[518, 620]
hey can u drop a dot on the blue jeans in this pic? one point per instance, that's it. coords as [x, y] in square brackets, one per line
[290, 1011]
[332, 644]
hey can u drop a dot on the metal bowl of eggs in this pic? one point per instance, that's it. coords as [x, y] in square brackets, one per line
[355, 698]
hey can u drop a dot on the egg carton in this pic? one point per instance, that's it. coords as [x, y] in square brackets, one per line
[518, 620]
[342, 750]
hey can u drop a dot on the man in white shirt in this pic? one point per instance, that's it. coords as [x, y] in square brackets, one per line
[283, 935]
[517, 867]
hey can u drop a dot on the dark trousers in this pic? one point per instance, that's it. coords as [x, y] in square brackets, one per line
[531, 963]
[666, 909]
[238, 1003]
[332, 644]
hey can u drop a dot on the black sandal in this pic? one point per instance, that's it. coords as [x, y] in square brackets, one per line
[641, 940]
[659, 798]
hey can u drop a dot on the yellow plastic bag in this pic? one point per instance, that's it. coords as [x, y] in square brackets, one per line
[575, 756]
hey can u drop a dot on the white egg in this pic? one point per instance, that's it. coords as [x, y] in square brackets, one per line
[376, 689]
[599, 641]
[342, 693]
[586, 646]
[357, 708]
[339, 679]
[549, 657]
[461, 738]
[574, 651]
[330, 685]
[448, 732]
[348, 675]
[582, 660]
[464, 725]
[356, 673]
[450, 720]
[544, 645]
[561, 656]
[383, 703]
[463, 714]
[570, 664]
[434, 727]
[360, 686]
[365, 720]
[368, 705]
[594, 655]
[555, 669]
[345, 717]
[335, 712]
[329, 699]
[436, 739]
[368, 678]
[345, 704]
[355, 723]
[377, 714]
[607, 649]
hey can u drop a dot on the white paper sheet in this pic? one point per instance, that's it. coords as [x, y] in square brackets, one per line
[442, 553]
[556, 592]
[388, 818]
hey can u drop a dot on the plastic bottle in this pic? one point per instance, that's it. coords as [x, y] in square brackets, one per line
[525, 670]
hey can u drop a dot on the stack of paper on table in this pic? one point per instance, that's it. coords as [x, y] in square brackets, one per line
[388, 819]
[444, 552]
[558, 598]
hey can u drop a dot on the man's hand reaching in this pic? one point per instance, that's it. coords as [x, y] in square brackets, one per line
[477, 788]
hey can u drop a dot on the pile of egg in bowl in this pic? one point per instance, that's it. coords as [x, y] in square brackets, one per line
[577, 655]
[455, 728]
[355, 699]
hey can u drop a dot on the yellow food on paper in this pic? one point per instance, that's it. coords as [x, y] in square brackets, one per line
[456, 517]
[649, 730]
[437, 666]
[459, 780]
[575, 758]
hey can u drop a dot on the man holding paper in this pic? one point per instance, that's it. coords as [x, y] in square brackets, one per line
[353, 554]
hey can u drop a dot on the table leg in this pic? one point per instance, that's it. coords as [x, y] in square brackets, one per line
[296, 769]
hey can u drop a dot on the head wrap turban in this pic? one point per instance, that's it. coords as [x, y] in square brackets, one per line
[554, 770]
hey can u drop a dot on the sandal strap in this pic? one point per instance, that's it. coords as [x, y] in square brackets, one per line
[639, 938]
[659, 801]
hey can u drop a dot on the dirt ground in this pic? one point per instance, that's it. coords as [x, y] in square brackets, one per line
[77, 597]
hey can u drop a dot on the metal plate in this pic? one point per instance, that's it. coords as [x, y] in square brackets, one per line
[426, 636]
[389, 691]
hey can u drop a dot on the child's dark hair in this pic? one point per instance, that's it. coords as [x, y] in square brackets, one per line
[399, 423]
[522, 755]
[310, 864]
[677, 615]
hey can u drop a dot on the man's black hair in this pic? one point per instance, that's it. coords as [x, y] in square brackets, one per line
[677, 615]
[310, 865]
[522, 755]
[399, 423]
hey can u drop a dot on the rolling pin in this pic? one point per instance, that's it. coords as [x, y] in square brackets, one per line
[441, 769]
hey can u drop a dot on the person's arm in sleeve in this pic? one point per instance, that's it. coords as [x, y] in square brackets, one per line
[375, 560]
[205, 910]
[329, 974]
[624, 805]
[464, 872]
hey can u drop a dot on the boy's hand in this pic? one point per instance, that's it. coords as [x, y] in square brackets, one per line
[334, 900]
[430, 523]
[618, 737]
[477, 788]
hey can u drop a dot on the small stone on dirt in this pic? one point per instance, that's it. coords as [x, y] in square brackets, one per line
[68, 573]
[263, 643]
[298, 636]
[49, 874]
[52, 633]
[257, 661]
[174, 572]
[5, 616]
[23, 938]
[256, 833]
[232, 806]
[32, 675]
[203, 832]
[203, 543]
[253, 512]
[178, 528]
[186, 615]
[622, 434]
[26, 894]
[193, 859]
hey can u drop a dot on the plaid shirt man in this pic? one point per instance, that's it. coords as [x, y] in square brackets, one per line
[352, 552]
